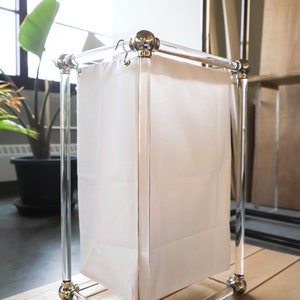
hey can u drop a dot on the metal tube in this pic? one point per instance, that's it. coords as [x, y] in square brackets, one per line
[164, 48]
[99, 54]
[244, 34]
[67, 289]
[144, 177]
[237, 281]
[221, 295]
[197, 56]
[205, 13]
[65, 183]
[241, 177]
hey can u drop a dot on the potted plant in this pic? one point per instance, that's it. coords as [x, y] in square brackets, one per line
[38, 176]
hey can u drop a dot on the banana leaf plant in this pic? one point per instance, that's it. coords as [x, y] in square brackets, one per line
[32, 37]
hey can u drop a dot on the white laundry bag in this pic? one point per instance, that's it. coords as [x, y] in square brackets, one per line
[189, 176]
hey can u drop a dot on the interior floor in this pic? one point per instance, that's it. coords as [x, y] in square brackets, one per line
[31, 249]
[31, 254]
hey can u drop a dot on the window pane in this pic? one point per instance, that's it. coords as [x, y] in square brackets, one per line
[61, 40]
[56, 45]
[91, 16]
[10, 4]
[76, 26]
[8, 57]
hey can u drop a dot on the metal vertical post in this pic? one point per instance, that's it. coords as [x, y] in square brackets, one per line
[144, 178]
[242, 137]
[65, 178]
[67, 289]
[144, 43]
[244, 34]
[205, 13]
[237, 280]
[241, 177]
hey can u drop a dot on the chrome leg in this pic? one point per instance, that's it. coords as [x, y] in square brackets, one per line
[67, 289]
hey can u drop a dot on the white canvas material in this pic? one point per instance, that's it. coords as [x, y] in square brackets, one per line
[190, 157]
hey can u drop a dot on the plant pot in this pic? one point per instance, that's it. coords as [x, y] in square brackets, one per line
[39, 184]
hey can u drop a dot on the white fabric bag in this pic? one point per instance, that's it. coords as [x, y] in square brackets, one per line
[189, 237]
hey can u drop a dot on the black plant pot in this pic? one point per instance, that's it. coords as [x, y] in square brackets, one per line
[39, 185]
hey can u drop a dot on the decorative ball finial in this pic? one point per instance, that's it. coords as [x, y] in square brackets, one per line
[244, 68]
[144, 42]
[64, 63]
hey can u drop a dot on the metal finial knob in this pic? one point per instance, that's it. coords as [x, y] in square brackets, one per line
[64, 63]
[144, 42]
[244, 68]
[67, 289]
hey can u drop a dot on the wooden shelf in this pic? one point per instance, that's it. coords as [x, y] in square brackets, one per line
[270, 80]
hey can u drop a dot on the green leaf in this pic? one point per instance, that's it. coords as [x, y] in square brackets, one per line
[36, 26]
[5, 117]
[12, 126]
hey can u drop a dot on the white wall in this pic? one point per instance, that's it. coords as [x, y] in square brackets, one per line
[177, 21]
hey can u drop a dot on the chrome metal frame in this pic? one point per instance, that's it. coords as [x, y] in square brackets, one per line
[145, 43]
[205, 13]
[244, 33]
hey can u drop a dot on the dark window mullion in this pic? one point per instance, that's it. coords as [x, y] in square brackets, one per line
[23, 54]
[22, 79]
[17, 22]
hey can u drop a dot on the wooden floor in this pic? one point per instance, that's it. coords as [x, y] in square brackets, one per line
[270, 275]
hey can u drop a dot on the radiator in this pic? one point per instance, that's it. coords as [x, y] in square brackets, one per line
[7, 170]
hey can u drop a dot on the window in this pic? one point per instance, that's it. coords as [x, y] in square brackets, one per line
[72, 32]
[9, 21]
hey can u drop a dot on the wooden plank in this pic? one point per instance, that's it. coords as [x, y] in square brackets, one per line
[276, 79]
[280, 39]
[197, 291]
[107, 295]
[47, 292]
[284, 285]
[262, 266]
[50, 291]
